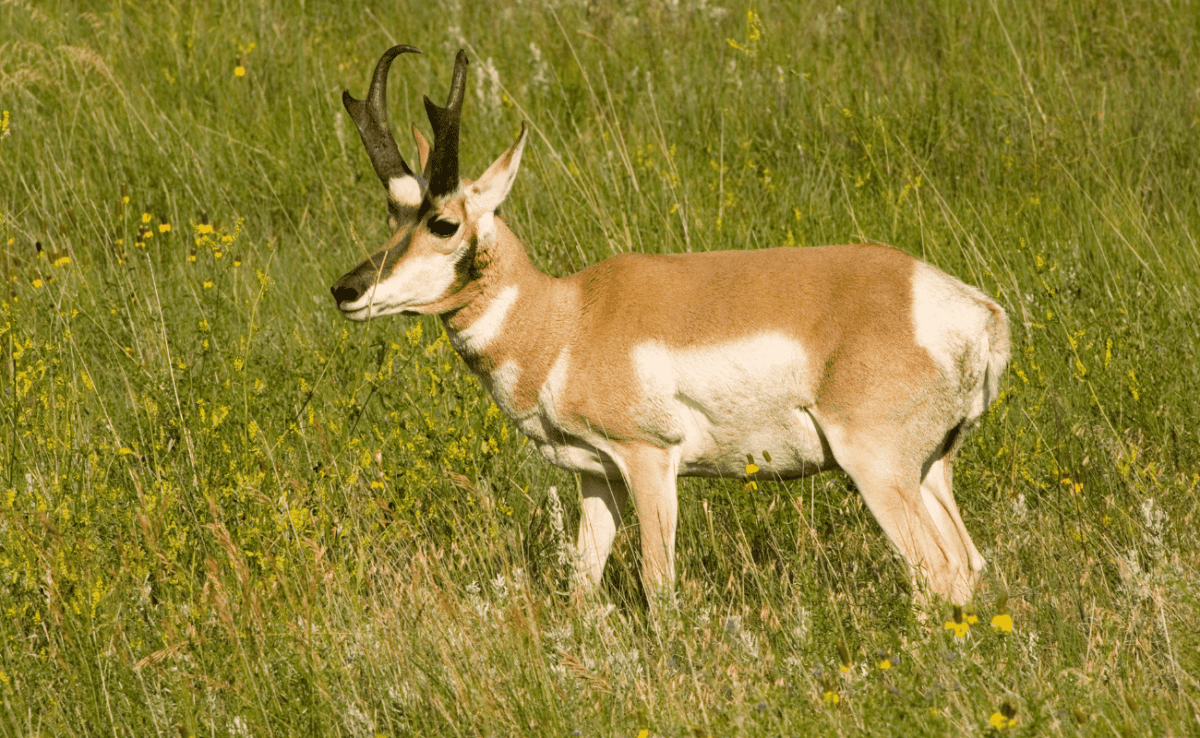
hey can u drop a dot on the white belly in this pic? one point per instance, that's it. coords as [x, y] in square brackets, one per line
[722, 403]
[716, 405]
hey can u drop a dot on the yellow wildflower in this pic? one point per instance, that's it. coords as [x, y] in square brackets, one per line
[239, 71]
[1005, 718]
[751, 468]
[164, 227]
[844, 658]
[959, 624]
[1002, 622]
[754, 34]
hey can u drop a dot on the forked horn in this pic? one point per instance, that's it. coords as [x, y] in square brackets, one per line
[370, 116]
[442, 169]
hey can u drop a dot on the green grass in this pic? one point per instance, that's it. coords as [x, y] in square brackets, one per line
[226, 511]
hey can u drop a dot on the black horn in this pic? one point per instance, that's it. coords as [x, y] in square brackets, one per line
[442, 171]
[370, 116]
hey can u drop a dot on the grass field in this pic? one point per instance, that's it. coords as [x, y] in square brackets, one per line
[224, 510]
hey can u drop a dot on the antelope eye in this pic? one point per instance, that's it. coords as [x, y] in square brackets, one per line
[442, 228]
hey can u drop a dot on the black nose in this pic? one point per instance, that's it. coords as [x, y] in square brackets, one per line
[344, 291]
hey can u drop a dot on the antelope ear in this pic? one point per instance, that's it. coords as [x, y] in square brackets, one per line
[486, 193]
[422, 147]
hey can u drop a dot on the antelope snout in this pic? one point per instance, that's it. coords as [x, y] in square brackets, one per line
[348, 289]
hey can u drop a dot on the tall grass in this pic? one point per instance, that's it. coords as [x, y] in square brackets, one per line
[225, 511]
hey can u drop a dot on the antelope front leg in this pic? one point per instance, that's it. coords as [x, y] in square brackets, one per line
[603, 504]
[650, 473]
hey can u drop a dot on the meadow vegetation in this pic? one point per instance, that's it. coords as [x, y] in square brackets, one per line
[224, 510]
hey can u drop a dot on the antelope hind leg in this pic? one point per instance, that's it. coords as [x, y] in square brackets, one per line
[937, 491]
[891, 487]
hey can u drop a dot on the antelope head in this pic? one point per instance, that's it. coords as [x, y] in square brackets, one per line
[440, 222]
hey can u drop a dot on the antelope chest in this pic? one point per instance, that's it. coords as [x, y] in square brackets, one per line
[546, 417]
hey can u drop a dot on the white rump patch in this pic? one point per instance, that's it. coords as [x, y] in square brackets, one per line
[951, 323]
[405, 191]
[475, 338]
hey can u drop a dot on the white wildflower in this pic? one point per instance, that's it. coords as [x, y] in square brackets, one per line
[541, 70]
[488, 95]
[1019, 509]
[563, 551]
[357, 722]
[1155, 531]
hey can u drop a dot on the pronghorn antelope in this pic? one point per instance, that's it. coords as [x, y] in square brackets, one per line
[644, 368]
